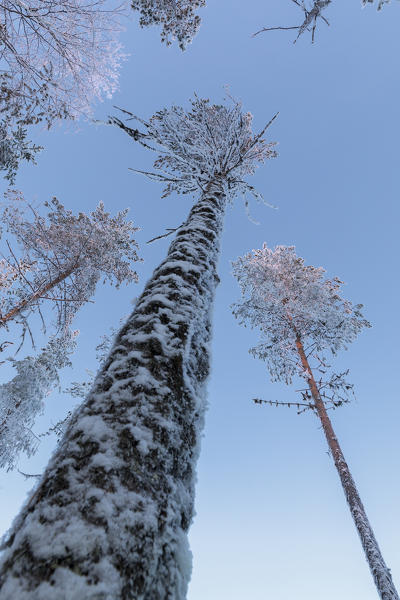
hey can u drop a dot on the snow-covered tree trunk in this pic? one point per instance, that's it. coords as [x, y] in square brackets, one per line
[379, 570]
[109, 518]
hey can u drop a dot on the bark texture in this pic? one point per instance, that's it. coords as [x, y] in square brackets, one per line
[109, 518]
[380, 572]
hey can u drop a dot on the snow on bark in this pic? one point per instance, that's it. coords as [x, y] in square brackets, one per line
[380, 572]
[109, 518]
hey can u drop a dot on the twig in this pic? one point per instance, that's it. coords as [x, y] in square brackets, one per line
[64, 299]
[29, 475]
[288, 404]
[274, 29]
[170, 231]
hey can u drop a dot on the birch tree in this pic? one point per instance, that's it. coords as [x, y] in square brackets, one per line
[109, 518]
[57, 58]
[56, 259]
[302, 316]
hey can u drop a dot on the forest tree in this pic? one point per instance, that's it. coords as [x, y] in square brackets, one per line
[55, 260]
[110, 517]
[302, 317]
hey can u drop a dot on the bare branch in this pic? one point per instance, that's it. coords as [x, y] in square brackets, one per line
[170, 231]
[309, 23]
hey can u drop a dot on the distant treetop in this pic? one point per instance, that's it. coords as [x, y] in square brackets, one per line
[288, 301]
[177, 18]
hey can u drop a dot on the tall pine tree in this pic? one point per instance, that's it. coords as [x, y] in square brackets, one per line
[109, 518]
[302, 317]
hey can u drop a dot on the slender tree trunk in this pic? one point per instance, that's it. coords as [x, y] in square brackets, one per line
[16, 310]
[109, 518]
[379, 570]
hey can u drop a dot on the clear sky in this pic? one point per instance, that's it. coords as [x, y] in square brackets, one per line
[271, 519]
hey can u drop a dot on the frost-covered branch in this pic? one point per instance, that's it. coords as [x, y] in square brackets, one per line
[14, 148]
[312, 13]
[22, 398]
[61, 258]
[177, 18]
[276, 403]
[311, 17]
[123, 476]
[57, 58]
[379, 3]
[202, 144]
[276, 285]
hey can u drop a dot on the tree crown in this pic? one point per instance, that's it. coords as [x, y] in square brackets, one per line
[202, 144]
[288, 301]
[177, 17]
[65, 255]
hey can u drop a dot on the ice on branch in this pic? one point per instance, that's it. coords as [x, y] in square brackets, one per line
[21, 399]
[177, 18]
[288, 300]
[206, 143]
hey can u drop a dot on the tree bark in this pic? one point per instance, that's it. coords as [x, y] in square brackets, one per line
[379, 570]
[109, 518]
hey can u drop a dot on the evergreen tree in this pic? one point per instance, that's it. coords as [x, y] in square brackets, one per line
[57, 58]
[177, 18]
[57, 260]
[302, 316]
[109, 519]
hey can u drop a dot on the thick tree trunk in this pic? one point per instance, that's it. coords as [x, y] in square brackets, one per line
[379, 570]
[109, 519]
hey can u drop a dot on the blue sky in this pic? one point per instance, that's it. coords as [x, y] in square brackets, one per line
[271, 517]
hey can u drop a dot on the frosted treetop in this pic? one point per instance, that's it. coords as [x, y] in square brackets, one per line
[289, 300]
[203, 144]
[64, 249]
[177, 17]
